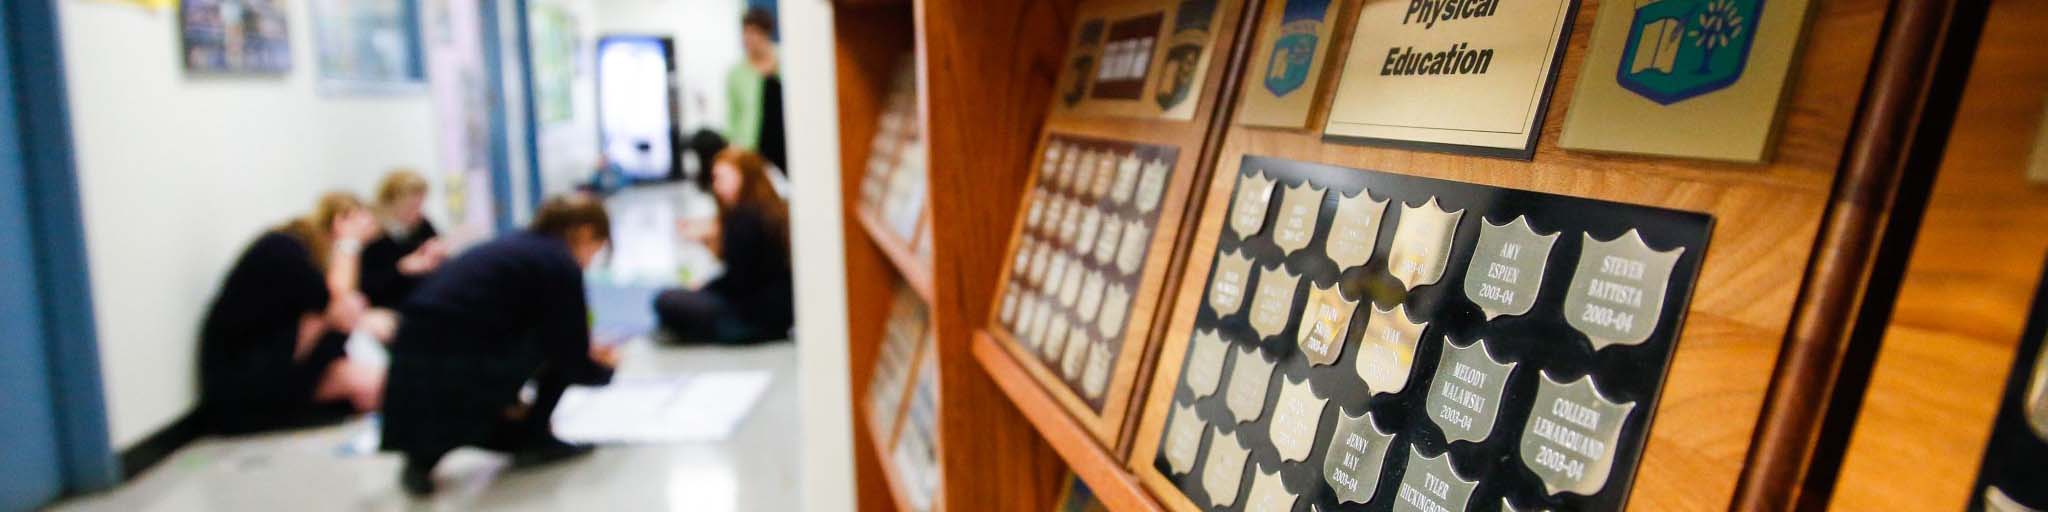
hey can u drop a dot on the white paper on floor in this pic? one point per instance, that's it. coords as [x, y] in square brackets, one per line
[660, 409]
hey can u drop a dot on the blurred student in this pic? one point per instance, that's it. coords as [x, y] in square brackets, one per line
[271, 350]
[753, 91]
[478, 329]
[407, 248]
[751, 301]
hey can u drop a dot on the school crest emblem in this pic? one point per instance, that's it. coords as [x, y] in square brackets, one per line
[1680, 49]
[1295, 48]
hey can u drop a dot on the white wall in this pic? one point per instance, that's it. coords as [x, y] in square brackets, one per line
[820, 253]
[568, 149]
[179, 172]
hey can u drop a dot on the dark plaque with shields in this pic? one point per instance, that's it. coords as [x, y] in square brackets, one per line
[2013, 476]
[1477, 348]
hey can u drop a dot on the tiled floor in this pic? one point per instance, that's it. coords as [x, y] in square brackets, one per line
[314, 470]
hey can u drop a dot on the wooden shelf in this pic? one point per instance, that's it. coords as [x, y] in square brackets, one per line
[1103, 471]
[880, 442]
[914, 270]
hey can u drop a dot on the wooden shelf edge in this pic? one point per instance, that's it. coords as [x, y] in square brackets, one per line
[1103, 472]
[915, 271]
[883, 458]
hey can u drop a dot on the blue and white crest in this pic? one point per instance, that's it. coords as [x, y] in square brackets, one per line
[1680, 49]
[1295, 47]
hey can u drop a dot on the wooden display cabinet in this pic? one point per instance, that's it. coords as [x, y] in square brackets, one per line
[1794, 240]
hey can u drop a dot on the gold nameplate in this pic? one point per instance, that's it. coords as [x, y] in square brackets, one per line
[1296, 415]
[1183, 438]
[1273, 302]
[1354, 230]
[1507, 267]
[1268, 494]
[1248, 210]
[1617, 293]
[1323, 324]
[1569, 440]
[1387, 350]
[1296, 225]
[1226, 288]
[1422, 244]
[1356, 454]
[1224, 470]
[1472, 74]
[1205, 363]
[1250, 374]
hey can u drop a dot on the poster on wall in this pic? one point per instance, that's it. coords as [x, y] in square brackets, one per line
[1287, 65]
[554, 62]
[247, 37]
[1457, 77]
[1686, 78]
[461, 99]
[366, 45]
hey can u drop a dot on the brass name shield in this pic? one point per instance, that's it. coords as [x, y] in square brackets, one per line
[1268, 493]
[1296, 415]
[1054, 333]
[1226, 288]
[1248, 211]
[1357, 453]
[1617, 292]
[1027, 305]
[1323, 324]
[1152, 185]
[1105, 175]
[1432, 485]
[1021, 260]
[1105, 244]
[1040, 324]
[1068, 163]
[1464, 400]
[1073, 181]
[1296, 224]
[1035, 217]
[1569, 441]
[1009, 311]
[1050, 162]
[1095, 374]
[1225, 468]
[1091, 223]
[1273, 302]
[1507, 267]
[1076, 352]
[1126, 179]
[1183, 438]
[1091, 297]
[1422, 244]
[1249, 377]
[1116, 302]
[1070, 224]
[1205, 362]
[1040, 257]
[1070, 288]
[1132, 255]
[1355, 230]
[1386, 351]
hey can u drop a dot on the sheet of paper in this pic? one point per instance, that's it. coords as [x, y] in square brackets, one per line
[660, 409]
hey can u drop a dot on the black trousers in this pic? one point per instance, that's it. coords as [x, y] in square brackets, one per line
[510, 435]
[703, 316]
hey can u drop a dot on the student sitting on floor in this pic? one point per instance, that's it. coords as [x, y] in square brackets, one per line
[271, 348]
[751, 300]
[407, 248]
[476, 330]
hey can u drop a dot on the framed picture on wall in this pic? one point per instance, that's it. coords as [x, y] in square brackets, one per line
[235, 37]
[367, 45]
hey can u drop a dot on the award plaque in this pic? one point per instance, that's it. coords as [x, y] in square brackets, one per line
[2012, 476]
[1080, 287]
[1141, 58]
[1479, 347]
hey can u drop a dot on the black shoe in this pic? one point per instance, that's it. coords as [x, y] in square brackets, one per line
[417, 478]
[548, 451]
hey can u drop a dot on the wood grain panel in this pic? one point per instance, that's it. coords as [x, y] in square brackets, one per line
[1960, 309]
[985, 73]
[868, 42]
[1767, 216]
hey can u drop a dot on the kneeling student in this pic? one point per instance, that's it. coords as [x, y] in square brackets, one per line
[480, 327]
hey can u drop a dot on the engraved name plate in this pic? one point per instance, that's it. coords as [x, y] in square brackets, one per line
[1183, 438]
[1296, 415]
[1041, 257]
[1249, 377]
[1009, 309]
[1422, 244]
[1105, 244]
[1356, 454]
[1095, 375]
[1076, 352]
[1053, 332]
[1042, 322]
[1354, 230]
[1132, 255]
[1091, 223]
[1027, 305]
[1082, 171]
[1070, 287]
[2036, 405]
[1432, 485]
[1152, 185]
[1070, 224]
[1226, 287]
[1068, 162]
[1091, 297]
[1116, 302]
[1205, 362]
[1105, 175]
[1507, 267]
[1323, 324]
[1248, 211]
[1020, 262]
[1296, 224]
[1035, 216]
[1224, 470]
[1386, 351]
[1464, 400]
[1268, 494]
[1273, 301]
[1569, 440]
[1050, 161]
[1126, 179]
[1617, 293]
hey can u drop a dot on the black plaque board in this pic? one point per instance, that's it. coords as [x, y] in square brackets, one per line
[2014, 459]
[1540, 339]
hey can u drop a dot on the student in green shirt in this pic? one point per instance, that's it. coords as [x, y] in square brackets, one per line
[754, 90]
